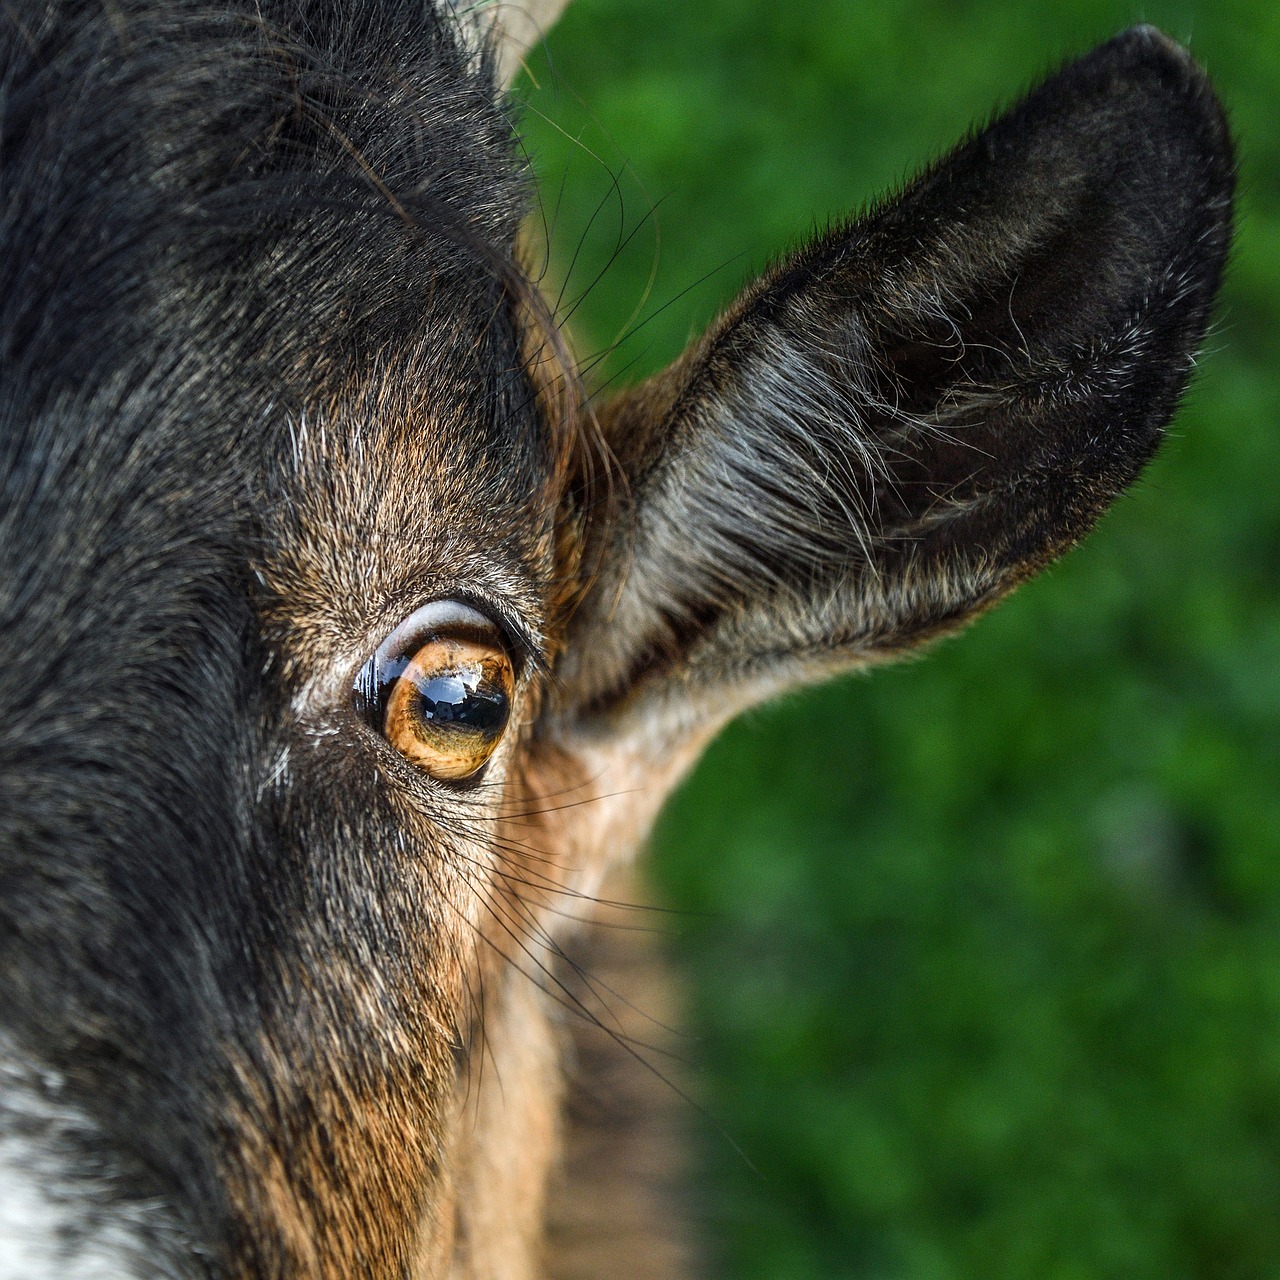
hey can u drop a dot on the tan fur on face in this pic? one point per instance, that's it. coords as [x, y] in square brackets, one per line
[620, 1201]
[575, 814]
[506, 1135]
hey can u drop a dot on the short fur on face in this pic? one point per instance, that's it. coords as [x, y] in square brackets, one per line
[278, 1003]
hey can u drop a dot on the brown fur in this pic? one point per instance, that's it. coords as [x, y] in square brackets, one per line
[621, 1205]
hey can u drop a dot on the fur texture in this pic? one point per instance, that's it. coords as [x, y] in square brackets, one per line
[278, 1004]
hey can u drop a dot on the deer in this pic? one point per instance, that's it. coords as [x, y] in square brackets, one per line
[351, 644]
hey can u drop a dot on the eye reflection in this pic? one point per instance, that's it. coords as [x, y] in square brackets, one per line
[439, 689]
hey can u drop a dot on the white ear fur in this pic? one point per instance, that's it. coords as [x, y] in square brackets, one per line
[514, 25]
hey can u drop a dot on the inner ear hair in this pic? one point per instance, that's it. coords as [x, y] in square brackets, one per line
[900, 422]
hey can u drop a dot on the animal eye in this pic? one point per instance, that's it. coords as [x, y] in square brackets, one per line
[439, 689]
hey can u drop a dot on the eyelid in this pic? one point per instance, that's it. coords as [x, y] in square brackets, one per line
[439, 617]
[462, 614]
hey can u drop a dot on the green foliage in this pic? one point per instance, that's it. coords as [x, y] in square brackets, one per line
[987, 946]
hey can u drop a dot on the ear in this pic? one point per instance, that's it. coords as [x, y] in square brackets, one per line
[515, 26]
[908, 417]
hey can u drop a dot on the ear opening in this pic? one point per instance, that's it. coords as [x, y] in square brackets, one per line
[912, 414]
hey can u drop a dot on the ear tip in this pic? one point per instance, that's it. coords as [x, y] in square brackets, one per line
[1145, 61]
[1146, 47]
[1145, 39]
[1138, 123]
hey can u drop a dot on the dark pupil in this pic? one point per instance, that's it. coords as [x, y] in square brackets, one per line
[449, 700]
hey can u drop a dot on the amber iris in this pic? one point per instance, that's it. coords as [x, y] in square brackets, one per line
[449, 707]
[440, 689]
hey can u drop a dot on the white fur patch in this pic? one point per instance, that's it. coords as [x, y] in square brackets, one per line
[57, 1221]
[514, 25]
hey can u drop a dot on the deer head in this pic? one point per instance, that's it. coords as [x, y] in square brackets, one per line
[346, 646]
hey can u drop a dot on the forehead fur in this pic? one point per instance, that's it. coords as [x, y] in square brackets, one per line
[259, 266]
[420, 483]
[265, 193]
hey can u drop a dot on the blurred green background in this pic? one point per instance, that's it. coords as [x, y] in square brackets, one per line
[985, 947]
